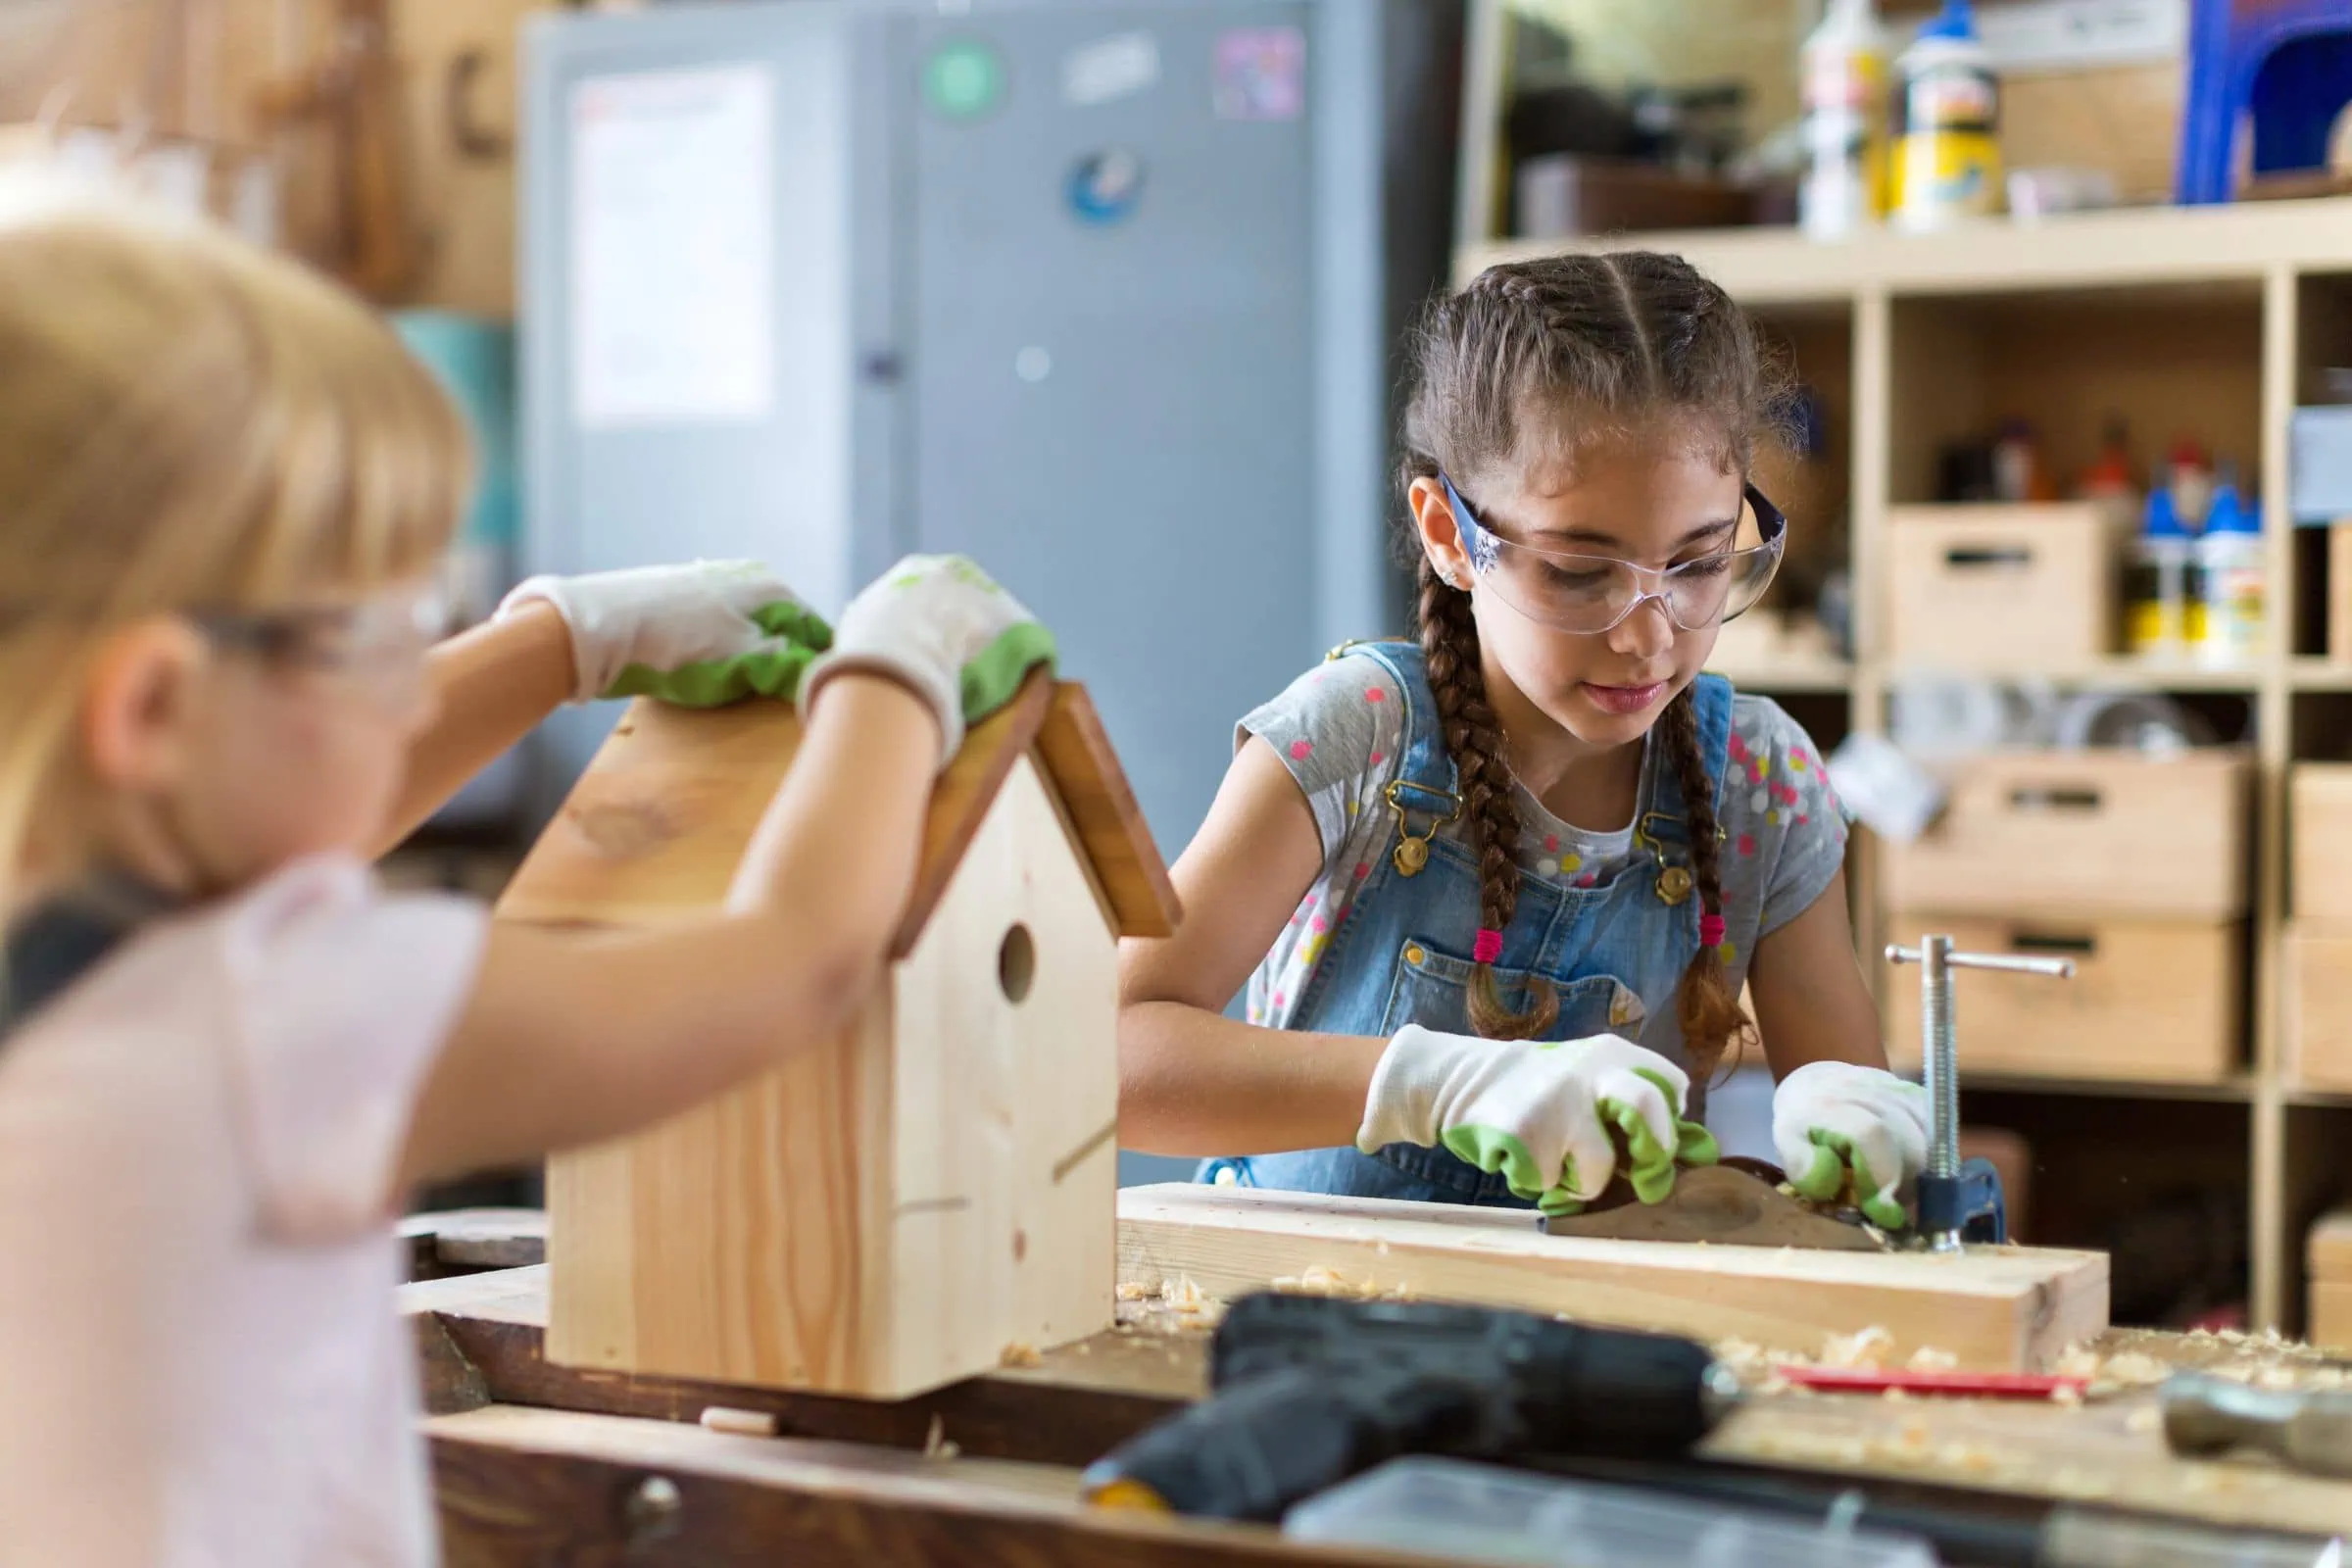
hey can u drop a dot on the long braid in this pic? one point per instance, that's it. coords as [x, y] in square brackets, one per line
[1474, 740]
[1705, 1004]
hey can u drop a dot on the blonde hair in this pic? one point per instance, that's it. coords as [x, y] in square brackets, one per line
[186, 421]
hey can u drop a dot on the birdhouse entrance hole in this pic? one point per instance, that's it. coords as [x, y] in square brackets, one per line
[1016, 963]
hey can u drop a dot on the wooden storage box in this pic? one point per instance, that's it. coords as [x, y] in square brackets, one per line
[2329, 1255]
[2151, 1001]
[2096, 832]
[2317, 1021]
[2319, 839]
[2005, 587]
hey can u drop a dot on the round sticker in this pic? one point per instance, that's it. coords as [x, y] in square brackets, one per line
[1106, 185]
[963, 79]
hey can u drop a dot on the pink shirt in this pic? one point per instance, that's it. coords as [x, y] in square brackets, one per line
[199, 1357]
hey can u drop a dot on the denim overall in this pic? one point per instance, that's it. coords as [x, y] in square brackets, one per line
[1614, 951]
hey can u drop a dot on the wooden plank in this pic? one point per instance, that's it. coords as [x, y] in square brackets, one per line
[1094, 791]
[2107, 1452]
[528, 1487]
[2320, 834]
[1999, 1308]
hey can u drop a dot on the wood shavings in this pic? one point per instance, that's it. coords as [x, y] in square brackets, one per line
[935, 1442]
[1018, 1353]
[2077, 1361]
[1180, 1293]
[1135, 1290]
[1866, 1350]
[2147, 1418]
[1929, 1358]
[740, 1423]
[2132, 1369]
[2066, 1393]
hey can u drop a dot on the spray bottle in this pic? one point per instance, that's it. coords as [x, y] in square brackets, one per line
[1844, 74]
[1947, 151]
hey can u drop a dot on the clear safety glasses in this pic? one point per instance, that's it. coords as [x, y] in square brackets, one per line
[1590, 594]
[380, 642]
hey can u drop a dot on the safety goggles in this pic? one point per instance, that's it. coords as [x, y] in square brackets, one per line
[1589, 594]
[380, 642]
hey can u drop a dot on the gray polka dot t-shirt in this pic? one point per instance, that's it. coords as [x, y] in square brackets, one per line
[1339, 731]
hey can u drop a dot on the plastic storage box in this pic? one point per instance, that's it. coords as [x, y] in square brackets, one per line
[1470, 1514]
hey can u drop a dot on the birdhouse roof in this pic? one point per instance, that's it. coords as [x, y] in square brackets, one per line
[1056, 724]
[660, 820]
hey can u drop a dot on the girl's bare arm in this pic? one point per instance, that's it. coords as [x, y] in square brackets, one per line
[1807, 989]
[1193, 1081]
[492, 685]
[570, 1037]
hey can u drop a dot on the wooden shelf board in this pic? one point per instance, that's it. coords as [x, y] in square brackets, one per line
[2110, 250]
[2312, 674]
[1790, 675]
[2298, 1094]
[2118, 673]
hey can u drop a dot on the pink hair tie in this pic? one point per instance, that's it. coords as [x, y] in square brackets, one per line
[1490, 947]
[1710, 930]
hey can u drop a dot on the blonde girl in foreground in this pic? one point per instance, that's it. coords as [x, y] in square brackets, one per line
[225, 1052]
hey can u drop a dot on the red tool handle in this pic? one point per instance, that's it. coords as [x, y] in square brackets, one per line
[1955, 1385]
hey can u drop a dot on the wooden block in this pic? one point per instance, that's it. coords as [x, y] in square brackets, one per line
[2151, 1001]
[2328, 1250]
[2004, 587]
[2330, 1315]
[2316, 1013]
[2320, 841]
[910, 1203]
[2008, 1308]
[2084, 833]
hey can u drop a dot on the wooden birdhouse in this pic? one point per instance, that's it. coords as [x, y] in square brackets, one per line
[934, 1191]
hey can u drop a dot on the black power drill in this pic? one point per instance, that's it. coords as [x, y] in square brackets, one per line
[1309, 1391]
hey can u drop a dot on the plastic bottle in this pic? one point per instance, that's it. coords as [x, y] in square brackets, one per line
[1843, 66]
[2190, 478]
[2156, 582]
[1948, 149]
[2109, 477]
[2229, 551]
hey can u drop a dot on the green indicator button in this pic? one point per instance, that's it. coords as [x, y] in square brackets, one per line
[963, 79]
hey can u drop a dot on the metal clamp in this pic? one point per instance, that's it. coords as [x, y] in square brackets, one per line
[1948, 1195]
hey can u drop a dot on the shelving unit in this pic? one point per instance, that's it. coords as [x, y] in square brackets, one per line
[2211, 320]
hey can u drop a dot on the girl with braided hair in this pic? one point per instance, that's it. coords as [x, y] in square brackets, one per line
[1496, 891]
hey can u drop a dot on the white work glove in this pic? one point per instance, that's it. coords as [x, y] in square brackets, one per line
[700, 635]
[1542, 1113]
[943, 626]
[1832, 1116]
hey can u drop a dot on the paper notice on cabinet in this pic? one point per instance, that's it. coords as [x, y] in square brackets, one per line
[673, 229]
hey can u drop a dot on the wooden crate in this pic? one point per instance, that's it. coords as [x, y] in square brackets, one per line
[2084, 833]
[2316, 1022]
[2005, 587]
[2151, 1001]
[2327, 1253]
[2320, 835]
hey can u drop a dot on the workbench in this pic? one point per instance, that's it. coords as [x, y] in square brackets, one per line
[537, 1463]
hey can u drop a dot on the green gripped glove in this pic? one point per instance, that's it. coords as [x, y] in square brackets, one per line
[1832, 1117]
[796, 635]
[944, 628]
[1545, 1115]
[700, 633]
